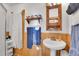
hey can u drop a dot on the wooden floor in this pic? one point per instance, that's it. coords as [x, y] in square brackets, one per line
[21, 52]
[27, 52]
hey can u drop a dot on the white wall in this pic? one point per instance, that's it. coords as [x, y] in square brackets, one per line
[32, 9]
[65, 19]
[2, 30]
[8, 18]
[11, 23]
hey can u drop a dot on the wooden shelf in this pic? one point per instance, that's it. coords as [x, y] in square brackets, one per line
[53, 25]
[53, 18]
[52, 7]
[36, 17]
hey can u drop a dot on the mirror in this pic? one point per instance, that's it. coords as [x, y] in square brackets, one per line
[53, 12]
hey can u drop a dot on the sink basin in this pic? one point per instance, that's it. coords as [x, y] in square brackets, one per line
[54, 45]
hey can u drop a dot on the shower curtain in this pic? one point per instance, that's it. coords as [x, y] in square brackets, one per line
[74, 48]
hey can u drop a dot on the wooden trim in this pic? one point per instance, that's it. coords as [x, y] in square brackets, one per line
[47, 16]
[60, 16]
[23, 40]
[52, 7]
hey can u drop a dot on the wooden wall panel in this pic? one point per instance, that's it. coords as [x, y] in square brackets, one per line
[25, 51]
[62, 36]
[44, 51]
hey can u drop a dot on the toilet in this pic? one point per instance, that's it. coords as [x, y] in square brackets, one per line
[54, 45]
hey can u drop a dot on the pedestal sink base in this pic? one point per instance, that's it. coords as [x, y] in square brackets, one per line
[53, 52]
[54, 45]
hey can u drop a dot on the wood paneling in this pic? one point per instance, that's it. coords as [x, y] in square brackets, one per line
[44, 51]
[53, 36]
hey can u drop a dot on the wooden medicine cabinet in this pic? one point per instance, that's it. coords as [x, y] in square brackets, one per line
[54, 17]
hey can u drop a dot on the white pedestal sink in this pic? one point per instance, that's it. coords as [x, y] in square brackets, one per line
[54, 45]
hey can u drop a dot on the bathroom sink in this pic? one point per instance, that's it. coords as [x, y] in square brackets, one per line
[54, 45]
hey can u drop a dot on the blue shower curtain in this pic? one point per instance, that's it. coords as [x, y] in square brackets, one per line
[74, 48]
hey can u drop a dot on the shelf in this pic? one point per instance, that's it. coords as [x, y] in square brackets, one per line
[36, 17]
[53, 21]
[53, 25]
[52, 7]
[53, 18]
[33, 18]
